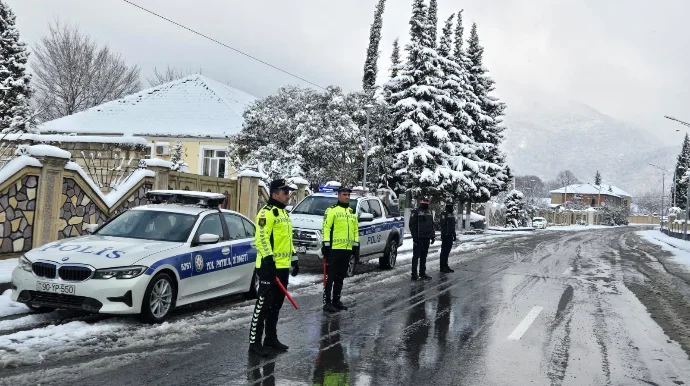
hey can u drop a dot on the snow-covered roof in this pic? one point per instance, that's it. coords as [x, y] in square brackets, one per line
[193, 106]
[592, 189]
[74, 138]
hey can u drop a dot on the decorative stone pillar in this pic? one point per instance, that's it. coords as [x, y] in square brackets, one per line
[47, 214]
[248, 193]
[162, 178]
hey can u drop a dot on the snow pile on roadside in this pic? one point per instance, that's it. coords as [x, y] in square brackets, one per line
[8, 307]
[679, 248]
[6, 268]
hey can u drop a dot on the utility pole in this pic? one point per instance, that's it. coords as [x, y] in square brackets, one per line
[366, 151]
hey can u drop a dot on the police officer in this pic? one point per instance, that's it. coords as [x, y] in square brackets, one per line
[447, 236]
[340, 241]
[422, 231]
[275, 255]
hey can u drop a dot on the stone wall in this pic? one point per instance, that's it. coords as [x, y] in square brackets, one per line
[17, 210]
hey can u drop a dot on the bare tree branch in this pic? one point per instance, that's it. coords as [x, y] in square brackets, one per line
[72, 73]
[169, 75]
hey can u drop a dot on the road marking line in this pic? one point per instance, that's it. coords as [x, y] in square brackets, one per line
[567, 271]
[526, 322]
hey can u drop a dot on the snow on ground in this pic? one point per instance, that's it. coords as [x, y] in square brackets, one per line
[6, 268]
[8, 307]
[679, 248]
[574, 228]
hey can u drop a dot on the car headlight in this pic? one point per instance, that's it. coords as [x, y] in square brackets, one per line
[24, 263]
[119, 273]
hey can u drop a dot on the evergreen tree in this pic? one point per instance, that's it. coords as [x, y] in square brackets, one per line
[682, 166]
[486, 131]
[15, 89]
[460, 144]
[421, 120]
[515, 209]
[395, 59]
[433, 22]
[177, 157]
[597, 179]
[370, 65]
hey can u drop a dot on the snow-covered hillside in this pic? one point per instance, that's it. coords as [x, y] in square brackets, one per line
[546, 137]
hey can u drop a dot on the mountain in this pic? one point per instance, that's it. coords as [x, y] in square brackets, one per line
[548, 136]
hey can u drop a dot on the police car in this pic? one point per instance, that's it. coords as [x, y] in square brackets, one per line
[148, 260]
[381, 229]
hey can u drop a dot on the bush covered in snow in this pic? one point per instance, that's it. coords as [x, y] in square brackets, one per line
[515, 209]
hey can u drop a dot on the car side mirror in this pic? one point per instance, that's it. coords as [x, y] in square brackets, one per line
[208, 238]
[289, 208]
[366, 217]
[91, 228]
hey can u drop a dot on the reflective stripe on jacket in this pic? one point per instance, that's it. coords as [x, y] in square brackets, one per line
[274, 236]
[340, 228]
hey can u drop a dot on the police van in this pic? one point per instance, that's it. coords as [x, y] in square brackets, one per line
[381, 229]
[179, 250]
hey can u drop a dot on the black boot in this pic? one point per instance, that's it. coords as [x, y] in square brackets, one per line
[328, 307]
[424, 276]
[415, 277]
[258, 349]
[273, 342]
[339, 305]
[449, 270]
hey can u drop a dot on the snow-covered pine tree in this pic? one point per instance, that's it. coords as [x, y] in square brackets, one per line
[460, 145]
[15, 88]
[597, 179]
[515, 209]
[395, 59]
[433, 22]
[682, 166]
[177, 157]
[370, 65]
[487, 131]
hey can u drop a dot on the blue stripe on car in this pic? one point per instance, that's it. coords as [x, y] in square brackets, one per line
[209, 260]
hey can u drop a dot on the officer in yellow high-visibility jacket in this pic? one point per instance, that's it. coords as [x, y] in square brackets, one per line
[275, 255]
[340, 241]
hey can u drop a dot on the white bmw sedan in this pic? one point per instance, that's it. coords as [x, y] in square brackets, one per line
[146, 261]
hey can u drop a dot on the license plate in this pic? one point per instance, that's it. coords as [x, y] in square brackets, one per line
[55, 288]
[301, 249]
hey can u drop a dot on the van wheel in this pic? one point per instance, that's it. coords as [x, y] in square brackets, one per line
[158, 299]
[390, 255]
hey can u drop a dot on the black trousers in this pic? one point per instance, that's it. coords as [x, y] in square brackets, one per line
[420, 249]
[268, 303]
[446, 246]
[336, 270]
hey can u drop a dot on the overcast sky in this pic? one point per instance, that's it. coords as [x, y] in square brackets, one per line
[626, 58]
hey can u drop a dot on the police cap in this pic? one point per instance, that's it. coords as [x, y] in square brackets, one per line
[344, 189]
[280, 184]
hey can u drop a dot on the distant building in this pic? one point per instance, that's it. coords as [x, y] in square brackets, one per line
[591, 195]
[200, 112]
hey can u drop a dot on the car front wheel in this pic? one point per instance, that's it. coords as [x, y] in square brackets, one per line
[158, 299]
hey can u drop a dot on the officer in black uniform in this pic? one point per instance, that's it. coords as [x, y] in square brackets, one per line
[447, 236]
[422, 231]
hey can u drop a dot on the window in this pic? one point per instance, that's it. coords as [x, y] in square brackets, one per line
[150, 225]
[375, 208]
[213, 163]
[235, 227]
[211, 224]
[249, 228]
[149, 151]
[364, 207]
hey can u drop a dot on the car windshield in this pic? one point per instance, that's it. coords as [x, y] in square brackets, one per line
[150, 225]
[317, 205]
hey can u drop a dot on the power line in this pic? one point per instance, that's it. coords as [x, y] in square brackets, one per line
[223, 44]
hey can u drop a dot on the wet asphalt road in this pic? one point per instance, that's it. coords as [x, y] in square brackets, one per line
[552, 308]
